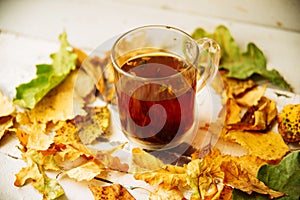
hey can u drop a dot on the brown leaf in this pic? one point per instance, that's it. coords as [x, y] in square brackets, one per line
[112, 192]
[258, 117]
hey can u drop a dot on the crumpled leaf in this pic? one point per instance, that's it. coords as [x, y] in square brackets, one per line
[267, 146]
[252, 96]
[161, 193]
[48, 76]
[237, 177]
[34, 173]
[112, 162]
[38, 137]
[86, 171]
[258, 117]
[168, 176]
[95, 124]
[111, 192]
[203, 178]
[241, 65]
[236, 87]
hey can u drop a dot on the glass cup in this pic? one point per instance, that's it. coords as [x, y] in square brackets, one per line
[158, 72]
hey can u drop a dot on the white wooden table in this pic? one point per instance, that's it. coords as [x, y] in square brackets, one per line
[29, 31]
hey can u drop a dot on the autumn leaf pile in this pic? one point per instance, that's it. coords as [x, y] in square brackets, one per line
[57, 133]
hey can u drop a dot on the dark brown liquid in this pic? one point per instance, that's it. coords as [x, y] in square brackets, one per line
[157, 113]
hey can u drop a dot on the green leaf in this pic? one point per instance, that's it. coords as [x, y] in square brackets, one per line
[241, 65]
[283, 177]
[48, 76]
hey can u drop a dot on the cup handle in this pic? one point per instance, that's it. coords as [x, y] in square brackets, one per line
[208, 62]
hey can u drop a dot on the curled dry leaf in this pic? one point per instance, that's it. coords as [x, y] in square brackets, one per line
[5, 124]
[111, 192]
[95, 124]
[240, 179]
[252, 96]
[258, 117]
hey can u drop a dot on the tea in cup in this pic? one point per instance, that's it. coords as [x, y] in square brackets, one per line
[158, 72]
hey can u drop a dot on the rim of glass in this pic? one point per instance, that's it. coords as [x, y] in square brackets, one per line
[119, 69]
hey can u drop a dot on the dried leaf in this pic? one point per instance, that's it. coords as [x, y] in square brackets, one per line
[93, 125]
[5, 124]
[203, 178]
[66, 133]
[161, 193]
[86, 171]
[240, 179]
[235, 87]
[61, 103]
[233, 111]
[112, 192]
[257, 117]
[34, 173]
[6, 106]
[267, 146]
[143, 161]
[168, 176]
[38, 138]
[252, 97]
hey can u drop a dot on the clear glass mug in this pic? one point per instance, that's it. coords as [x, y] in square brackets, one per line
[158, 72]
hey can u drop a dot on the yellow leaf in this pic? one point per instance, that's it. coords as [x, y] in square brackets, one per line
[240, 179]
[112, 192]
[86, 171]
[33, 173]
[143, 161]
[61, 103]
[66, 133]
[94, 125]
[5, 124]
[161, 193]
[252, 97]
[168, 176]
[267, 146]
[38, 138]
